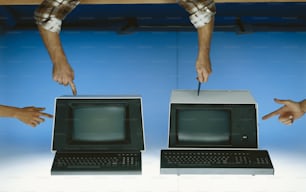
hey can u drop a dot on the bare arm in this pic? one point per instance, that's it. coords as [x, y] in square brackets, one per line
[29, 115]
[202, 17]
[62, 71]
[49, 16]
[203, 64]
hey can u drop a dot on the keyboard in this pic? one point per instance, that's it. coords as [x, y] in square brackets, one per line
[97, 163]
[251, 162]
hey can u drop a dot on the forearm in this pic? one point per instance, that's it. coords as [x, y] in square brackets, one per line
[8, 111]
[204, 37]
[53, 44]
[49, 16]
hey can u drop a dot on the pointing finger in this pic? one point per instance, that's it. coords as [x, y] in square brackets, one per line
[73, 88]
[47, 115]
[271, 114]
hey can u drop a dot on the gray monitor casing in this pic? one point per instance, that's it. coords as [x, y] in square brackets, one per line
[244, 129]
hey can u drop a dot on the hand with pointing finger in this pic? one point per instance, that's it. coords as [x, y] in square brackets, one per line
[63, 74]
[32, 116]
[289, 112]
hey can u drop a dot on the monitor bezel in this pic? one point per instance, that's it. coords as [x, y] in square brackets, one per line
[233, 143]
[60, 137]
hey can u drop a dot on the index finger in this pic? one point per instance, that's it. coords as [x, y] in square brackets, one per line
[73, 88]
[47, 115]
[271, 114]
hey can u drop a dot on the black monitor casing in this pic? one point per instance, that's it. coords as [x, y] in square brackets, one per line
[62, 125]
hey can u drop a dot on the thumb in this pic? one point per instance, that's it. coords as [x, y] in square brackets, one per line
[281, 101]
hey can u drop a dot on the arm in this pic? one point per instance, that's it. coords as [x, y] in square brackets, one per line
[28, 115]
[62, 71]
[289, 112]
[49, 16]
[203, 65]
[202, 17]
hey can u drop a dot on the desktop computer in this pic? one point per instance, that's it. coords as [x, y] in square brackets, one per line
[97, 135]
[214, 133]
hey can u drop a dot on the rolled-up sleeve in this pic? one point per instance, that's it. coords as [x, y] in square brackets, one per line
[201, 11]
[50, 13]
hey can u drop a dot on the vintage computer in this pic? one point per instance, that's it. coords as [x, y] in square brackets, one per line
[213, 133]
[97, 135]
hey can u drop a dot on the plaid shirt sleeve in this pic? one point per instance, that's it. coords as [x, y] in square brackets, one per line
[50, 13]
[201, 11]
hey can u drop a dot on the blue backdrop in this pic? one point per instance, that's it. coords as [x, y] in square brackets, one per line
[152, 64]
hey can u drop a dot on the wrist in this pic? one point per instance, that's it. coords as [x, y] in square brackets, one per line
[303, 105]
[60, 61]
[203, 54]
[16, 112]
[204, 51]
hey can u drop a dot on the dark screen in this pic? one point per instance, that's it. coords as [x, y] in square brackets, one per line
[203, 126]
[99, 123]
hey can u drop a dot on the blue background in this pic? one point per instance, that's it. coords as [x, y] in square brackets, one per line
[151, 64]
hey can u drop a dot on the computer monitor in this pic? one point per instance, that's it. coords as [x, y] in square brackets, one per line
[214, 119]
[98, 123]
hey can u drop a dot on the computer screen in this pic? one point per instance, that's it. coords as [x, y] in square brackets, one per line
[203, 126]
[98, 123]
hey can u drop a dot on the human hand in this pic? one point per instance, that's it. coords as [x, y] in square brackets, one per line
[203, 67]
[31, 115]
[63, 74]
[289, 112]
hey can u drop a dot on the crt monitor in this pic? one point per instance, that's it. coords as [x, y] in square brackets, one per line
[98, 123]
[214, 119]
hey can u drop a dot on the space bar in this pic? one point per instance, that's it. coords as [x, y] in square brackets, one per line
[194, 165]
[83, 166]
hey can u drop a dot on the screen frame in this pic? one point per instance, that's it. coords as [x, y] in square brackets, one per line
[241, 136]
[61, 140]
